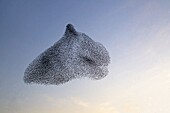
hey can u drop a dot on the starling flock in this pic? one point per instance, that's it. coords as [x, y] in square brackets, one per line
[74, 56]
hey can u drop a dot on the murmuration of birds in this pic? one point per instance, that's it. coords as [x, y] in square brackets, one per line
[74, 56]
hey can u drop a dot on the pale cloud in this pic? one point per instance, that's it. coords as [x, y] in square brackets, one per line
[107, 107]
[131, 107]
[79, 102]
[150, 95]
[55, 100]
[64, 101]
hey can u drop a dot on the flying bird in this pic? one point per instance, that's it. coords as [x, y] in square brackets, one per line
[74, 56]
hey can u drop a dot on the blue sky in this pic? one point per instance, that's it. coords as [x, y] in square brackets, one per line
[135, 32]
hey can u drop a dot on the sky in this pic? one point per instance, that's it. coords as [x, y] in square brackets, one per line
[135, 32]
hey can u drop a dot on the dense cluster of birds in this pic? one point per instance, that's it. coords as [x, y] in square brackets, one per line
[75, 55]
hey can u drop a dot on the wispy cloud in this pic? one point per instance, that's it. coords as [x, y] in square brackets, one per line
[107, 107]
[79, 102]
